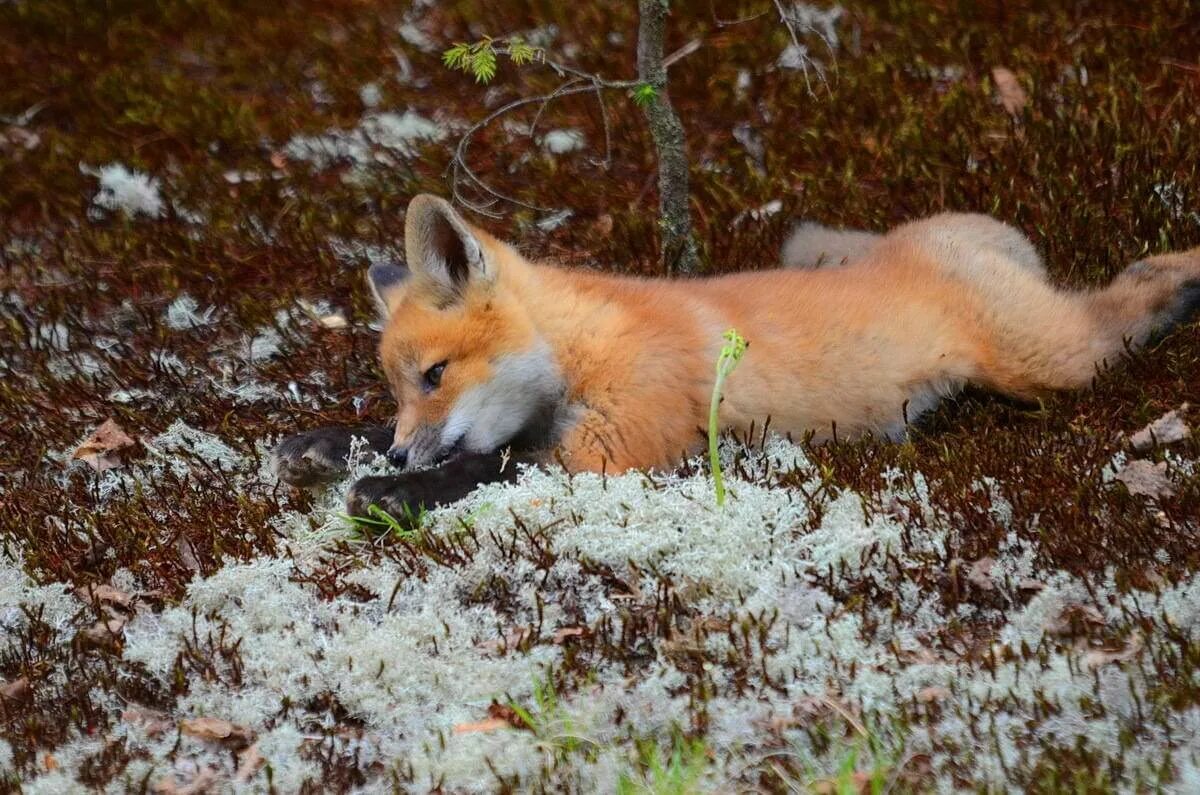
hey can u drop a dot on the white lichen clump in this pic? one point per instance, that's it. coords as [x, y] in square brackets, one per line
[379, 139]
[129, 192]
[560, 142]
[412, 657]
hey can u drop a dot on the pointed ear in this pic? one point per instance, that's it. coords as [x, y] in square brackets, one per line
[443, 248]
[387, 283]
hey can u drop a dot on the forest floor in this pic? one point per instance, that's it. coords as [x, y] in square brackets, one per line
[190, 191]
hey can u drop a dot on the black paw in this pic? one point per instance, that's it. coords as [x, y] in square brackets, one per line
[319, 456]
[1184, 305]
[390, 493]
[406, 495]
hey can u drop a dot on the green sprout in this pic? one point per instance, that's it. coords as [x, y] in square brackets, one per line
[379, 522]
[677, 770]
[731, 353]
[643, 94]
[550, 723]
[479, 59]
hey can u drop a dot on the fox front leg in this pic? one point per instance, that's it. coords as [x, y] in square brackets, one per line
[319, 456]
[403, 496]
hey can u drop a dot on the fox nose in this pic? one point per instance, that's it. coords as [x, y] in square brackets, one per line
[398, 456]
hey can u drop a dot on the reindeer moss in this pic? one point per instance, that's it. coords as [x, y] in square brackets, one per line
[188, 186]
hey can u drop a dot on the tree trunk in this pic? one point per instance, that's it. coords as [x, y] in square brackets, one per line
[678, 244]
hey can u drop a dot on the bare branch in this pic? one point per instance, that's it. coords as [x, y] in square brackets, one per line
[458, 164]
[789, 22]
[679, 247]
[678, 243]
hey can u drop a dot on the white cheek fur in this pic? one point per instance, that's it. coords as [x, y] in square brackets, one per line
[492, 413]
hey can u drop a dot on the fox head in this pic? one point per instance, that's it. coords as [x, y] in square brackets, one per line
[468, 369]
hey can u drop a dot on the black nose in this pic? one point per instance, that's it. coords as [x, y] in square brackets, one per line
[398, 456]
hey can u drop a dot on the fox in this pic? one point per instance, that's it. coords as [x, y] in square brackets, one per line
[495, 360]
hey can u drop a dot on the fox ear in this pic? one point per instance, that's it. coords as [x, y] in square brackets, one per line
[387, 283]
[443, 248]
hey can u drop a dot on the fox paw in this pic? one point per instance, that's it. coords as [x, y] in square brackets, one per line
[319, 456]
[406, 495]
[399, 496]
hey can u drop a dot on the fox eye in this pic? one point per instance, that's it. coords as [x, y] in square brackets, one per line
[432, 378]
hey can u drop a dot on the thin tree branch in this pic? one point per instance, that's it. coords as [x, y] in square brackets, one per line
[679, 248]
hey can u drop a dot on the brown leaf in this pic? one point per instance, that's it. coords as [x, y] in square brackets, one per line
[1075, 619]
[279, 160]
[187, 554]
[16, 690]
[204, 781]
[561, 634]
[504, 712]
[485, 725]
[1146, 479]
[979, 574]
[928, 695]
[103, 635]
[1031, 586]
[101, 593]
[103, 449]
[1097, 658]
[153, 722]
[1012, 95]
[249, 761]
[1167, 429]
[511, 640]
[217, 730]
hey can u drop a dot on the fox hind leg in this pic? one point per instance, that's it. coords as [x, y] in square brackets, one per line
[1153, 296]
[1044, 339]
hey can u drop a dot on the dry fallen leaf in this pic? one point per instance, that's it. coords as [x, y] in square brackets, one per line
[1012, 95]
[16, 690]
[928, 695]
[187, 554]
[152, 722]
[203, 781]
[333, 321]
[500, 716]
[485, 725]
[979, 574]
[103, 635]
[102, 450]
[217, 730]
[1167, 429]
[1031, 586]
[1100, 657]
[249, 761]
[561, 635]
[104, 594]
[511, 640]
[1075, 619]
[1146, 479]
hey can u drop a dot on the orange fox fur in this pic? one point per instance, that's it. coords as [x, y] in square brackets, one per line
[621, 369]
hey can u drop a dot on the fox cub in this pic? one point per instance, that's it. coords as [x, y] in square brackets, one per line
[488, 353]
